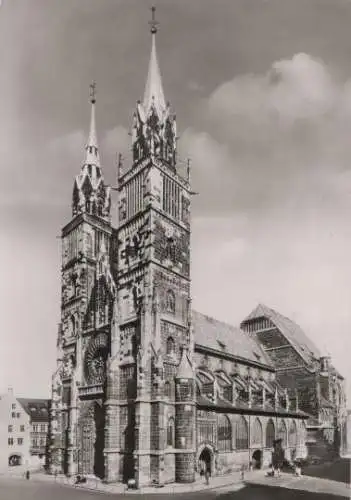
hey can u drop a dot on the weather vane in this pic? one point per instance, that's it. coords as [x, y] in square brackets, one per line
[153, 23]
[93, 92]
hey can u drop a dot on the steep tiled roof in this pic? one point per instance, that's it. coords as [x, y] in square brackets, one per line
[293, 333]
[37, 409]
[210, 332]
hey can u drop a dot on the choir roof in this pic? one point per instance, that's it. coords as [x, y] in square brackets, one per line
[215, 334]
[291, 331]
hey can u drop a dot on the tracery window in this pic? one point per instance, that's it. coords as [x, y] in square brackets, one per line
[224, 433]
[292, 434]
[170, 301]
[270, 434]
[257, 435]
[167, 390]
[170, 432]
[170, 347]
[72, 326]
[89, 241]
[242, 435]
[282, 433]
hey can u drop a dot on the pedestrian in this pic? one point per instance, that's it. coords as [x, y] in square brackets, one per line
[297, 469]
[27, 474]
[207, 475]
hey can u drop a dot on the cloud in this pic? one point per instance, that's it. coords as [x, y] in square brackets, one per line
[271, 163]
[268, 138]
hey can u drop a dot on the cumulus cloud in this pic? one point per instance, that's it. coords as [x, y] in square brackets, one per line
[267, 136]
[273, 152]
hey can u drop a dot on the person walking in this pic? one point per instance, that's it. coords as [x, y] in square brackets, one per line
[207, 474]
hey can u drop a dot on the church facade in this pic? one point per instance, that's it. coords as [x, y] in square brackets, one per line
[145, 388]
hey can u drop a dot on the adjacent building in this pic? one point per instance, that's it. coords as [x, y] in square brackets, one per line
[301, 367]
[145, 387]
[23, 431]
[14, 432]
[38, 412]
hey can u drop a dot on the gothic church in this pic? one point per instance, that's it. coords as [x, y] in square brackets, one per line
[145, 387]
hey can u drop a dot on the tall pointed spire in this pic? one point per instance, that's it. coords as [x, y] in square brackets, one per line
[154, 132]
[153, 95]
[90, 194]
[92, 149]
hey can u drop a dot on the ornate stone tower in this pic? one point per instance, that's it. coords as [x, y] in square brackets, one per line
[84, 341]
[153, 287]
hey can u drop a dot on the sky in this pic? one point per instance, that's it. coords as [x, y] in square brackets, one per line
[262, 93]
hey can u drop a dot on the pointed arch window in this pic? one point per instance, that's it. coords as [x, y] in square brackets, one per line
[270, 434]
[282, 433]
[89, 241]
[167, 389]
[242, 434]
[170, 347]
[170, 432]
[257, 434]
[72, 325]
[224, 433]
[170, 301]
[292, 434]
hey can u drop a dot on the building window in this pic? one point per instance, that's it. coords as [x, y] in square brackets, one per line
[170, 348]
[20, 441]
[18, 415]
[170, 301]
[10, 428]
[167, 390]
[42, 442]
[224, 433]
[292, 435]
[43, 428]
[257, 436]
[170, 432]
[10, 441]
[35, 428]
[89, 245]
[242, 435]
[282, 433]
[270, 434]
[22, 428]
[35, 442]
[13, 414]
[13, 406]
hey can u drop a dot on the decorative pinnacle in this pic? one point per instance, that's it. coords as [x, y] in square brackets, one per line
[93, 93]
[153, 23]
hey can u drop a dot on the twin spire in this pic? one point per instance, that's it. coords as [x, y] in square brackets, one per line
[154, 128]
[90, 194]
[153, 135]
[153, 95]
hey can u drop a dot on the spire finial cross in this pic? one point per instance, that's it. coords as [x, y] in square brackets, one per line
[93, 92]
[153, 23]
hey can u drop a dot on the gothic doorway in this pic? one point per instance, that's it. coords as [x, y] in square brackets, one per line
[205, 460]
[91, 441]
[257, 459]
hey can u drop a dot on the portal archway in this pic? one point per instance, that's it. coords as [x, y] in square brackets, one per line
[205, 458]
[257, 459]
[91, 440]
[15, 459]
